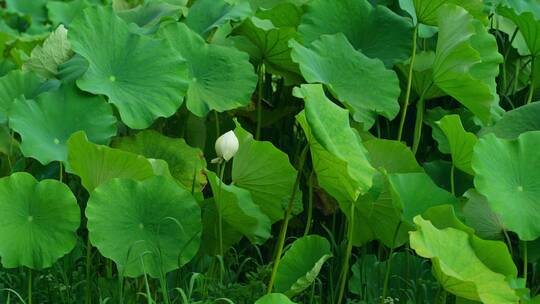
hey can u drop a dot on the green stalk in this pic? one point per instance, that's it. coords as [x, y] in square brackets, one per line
[420, 106]
[389, 264]
[345, 268]
[11, 139]
[409, 85]
[218, 131]
[164, 293]
[260, 94]
[61, 175]
[29, 286]
[285, 224]
[120, 288]
[221, 171]
[88, 271]
[452, 182]
[525, 261]
[531, 87]
[310, 205]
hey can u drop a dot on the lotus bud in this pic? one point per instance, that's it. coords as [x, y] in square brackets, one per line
[227, 145]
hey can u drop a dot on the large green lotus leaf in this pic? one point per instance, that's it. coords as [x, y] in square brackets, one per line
[363, 84]
[391, 156]
[185, 162]
[210, 233]
[274, 298]
[526, 16]
[142, 76]
[17, 85]
[376, 31]
[414, 193]
[494, 254]
[301, 264]
[239, 211]
[425, 11]
[46, 124]
[221, 77]
[266, 172]
[465, 266]
[64, 12]
[467, 62]
[38, 223]
[513, 123]
[97, 164]
[460, 141]
[46, 58]
[206, 15]
[151, 226]
[506, 176]
[479, 216]
[265, 38]
[339, 159]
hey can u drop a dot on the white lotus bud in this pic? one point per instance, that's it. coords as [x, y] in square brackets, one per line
[227, 145]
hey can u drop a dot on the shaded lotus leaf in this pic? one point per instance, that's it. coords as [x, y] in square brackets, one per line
[422, 81]
[301, 264]
[64, 12]
[206, 15]
[33, 8]
[186, 163]
[141, 76]
[504, 175]
[425, 11]
[379, 218]
[149, 14]
[460, 141]
[17, 85]
[513, 123]
[362, 84]
[45, 59]
[265, 38]
[210, 232]
[267, 173]
[414, 193]
[221, 77]
[376, 31]
[72, 69]
[97, 164]
[464, 264]
[440, 172]
[379, 214]
[38, 223]
[151, 226]
[274, 298]
[478, 215]
[239, 211]
[526, 16]
[339, 158]
[467, 62]
[45, 124]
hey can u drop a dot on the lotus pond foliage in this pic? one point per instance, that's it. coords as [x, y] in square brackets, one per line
[270, 151]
